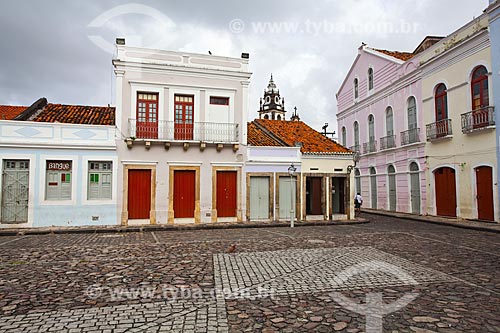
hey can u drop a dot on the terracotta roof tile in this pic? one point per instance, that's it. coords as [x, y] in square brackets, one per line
[292, 132]
[77, 114]
[10, 111]
[396, 54]
[258, 137]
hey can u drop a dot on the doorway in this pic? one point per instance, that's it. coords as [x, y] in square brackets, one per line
[259, 197]
[446, 196]
[338, 195]
[314, 190]
[484, 190]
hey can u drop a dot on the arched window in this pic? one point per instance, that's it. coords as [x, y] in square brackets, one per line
[480, 94]
[357, 178]
[266, 116]
[356, 88]
[370, 78]
[441, 99]
[371, 127]
[415, 188]
[391, 171]
[279, 117]
[373, 187]
[371, 134]
[344, 136]
[356, 136]
[389, 123]
[412, 135]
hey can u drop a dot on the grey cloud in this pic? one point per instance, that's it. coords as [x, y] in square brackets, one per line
[45, 50]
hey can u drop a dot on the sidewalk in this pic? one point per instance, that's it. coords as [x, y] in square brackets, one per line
[458, 223]
[159, 227]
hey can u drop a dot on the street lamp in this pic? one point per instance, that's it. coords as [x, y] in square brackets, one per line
[291, 172]
[355, 159]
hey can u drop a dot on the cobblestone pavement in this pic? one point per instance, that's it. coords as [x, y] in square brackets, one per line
[307, 279]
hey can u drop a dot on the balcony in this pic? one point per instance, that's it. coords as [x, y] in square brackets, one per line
[439, 129]
[478, 119]
[170, 131]
[410, 136]
[369, 147]
[387, 142]
[355, 148]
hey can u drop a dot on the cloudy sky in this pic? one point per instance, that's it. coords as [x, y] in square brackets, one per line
[58, 49]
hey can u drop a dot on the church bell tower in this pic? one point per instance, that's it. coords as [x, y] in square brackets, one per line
[272, 106]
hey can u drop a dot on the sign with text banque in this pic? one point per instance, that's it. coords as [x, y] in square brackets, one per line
[59, 165]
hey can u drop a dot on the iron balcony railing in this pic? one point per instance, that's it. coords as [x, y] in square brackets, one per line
[370, 147]
[439, 129]
[410, 136]
[478, 119]
[355, 148]
[171, 131]
[387, 142]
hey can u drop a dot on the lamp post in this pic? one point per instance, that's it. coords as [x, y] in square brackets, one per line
[291, 172]
[355, 158]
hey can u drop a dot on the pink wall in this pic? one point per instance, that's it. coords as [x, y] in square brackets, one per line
[394, 83]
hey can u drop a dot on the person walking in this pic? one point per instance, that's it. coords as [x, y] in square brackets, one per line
[358, 201]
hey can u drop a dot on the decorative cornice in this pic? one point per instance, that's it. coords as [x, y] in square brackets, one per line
[457, 53]
[399, 84]
[177, 69]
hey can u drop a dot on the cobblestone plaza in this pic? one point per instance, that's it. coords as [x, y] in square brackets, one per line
[277, 279]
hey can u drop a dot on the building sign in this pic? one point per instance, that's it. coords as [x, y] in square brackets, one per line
[59, 165]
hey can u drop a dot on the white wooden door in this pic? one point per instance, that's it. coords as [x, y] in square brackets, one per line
[415, 188]
[259, 198]
[15, 189]
[287, 197]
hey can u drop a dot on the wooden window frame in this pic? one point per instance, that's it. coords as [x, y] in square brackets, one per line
[443, 97]
[61, 177]
[481, 80]
[100, 172]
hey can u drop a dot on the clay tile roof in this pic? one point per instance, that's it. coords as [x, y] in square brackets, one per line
[10, 111]
[292, 132]
[396, 54]
[77, 114]
[258, 137]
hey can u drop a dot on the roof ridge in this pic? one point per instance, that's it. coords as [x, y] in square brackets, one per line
[81, 105]
[270, 133]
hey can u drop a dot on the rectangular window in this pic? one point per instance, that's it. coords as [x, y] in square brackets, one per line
[147, 115]
[184, 116]
[58, 182]
[99, 181]
[219, 100]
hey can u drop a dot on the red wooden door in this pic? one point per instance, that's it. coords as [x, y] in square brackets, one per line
[446, 195]
[184, 193]
[147, 116]
[139, 194]
[184, 115]
[314, 192]
[226, 193]
[484, 183]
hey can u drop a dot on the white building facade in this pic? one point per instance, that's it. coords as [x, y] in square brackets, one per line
[182, 118]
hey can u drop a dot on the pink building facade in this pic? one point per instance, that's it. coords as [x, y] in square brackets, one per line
[379, 116]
